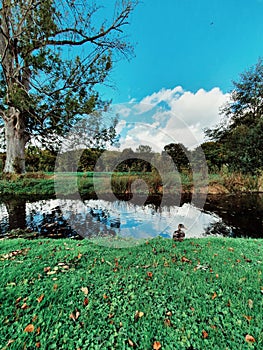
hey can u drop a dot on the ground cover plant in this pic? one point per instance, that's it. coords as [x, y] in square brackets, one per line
[197, 294]
[40, 183]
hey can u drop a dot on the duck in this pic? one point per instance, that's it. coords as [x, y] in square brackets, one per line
[179, 234]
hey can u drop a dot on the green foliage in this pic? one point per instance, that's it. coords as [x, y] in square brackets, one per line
[28, 184]
[53, 55]
[214, 155]
[200, 294]
[179, 154]
[241, 132]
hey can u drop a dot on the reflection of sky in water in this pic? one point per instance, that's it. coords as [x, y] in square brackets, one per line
[148, 221]
[120, 217]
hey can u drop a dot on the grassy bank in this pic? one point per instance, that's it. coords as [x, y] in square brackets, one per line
[124, 183]
[197, 294]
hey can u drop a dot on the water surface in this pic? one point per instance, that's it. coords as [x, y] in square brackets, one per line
[236, 216]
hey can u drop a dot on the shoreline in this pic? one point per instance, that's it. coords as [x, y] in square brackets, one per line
[43, 184]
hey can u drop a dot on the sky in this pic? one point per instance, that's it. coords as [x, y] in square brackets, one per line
[187, 54]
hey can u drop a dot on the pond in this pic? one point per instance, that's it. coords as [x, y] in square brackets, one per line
[235, 216]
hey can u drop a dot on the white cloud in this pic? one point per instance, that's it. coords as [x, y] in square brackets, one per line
[170, 116]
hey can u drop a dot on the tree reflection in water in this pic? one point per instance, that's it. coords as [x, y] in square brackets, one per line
[239, 216]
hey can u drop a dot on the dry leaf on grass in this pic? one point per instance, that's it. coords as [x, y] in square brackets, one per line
[130, 342]
[214, 296]
[249, 338]
[29, 328]
[204, 334]
[157, 345]
[85, 290]
[138, 314]
[74, 315]
[40, 298]
[184, 259]
[24, 306]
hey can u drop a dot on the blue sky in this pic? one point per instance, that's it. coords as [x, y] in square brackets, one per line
[198, 45]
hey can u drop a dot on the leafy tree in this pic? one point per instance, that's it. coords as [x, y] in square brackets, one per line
[179, 154]
[53, 55]
[241, 130]
[88, 159]
[213, 153]
[144, 149]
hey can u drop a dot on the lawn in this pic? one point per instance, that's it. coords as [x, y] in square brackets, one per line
[197, 294]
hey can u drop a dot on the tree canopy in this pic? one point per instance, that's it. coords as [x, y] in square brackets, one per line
[53, 55]
[241, 132]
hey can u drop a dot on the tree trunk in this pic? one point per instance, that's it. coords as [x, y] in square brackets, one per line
[15, 136]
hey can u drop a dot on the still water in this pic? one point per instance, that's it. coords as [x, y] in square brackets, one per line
[235, 216]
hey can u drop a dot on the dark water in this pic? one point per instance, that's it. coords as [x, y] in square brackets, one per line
[228, 215]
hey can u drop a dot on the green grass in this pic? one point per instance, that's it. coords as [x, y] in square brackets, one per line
[121, 183]
[197, 294]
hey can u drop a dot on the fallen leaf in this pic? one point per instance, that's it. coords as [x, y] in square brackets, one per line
[149, 274]
[79, 255]
[10, 341]
[86, 301]
[214, 296]
[248, 318]
[18, 300]
[249, 339]
[85, 290]
[168, 313]
[29, 328]
[167, 322]
[184, 259]
[24, 306]
[74, 316]
[40, 298]
[38, 344]
[157, 345]
[204, 334]
[34, 318]
[46, 269]
[231, 249]
[146, 266]
[65, 267]
[38, 330]
[250, 303]
[55, 287]
[216, 275]
[105, 296]
[130, 342]
[138, 314]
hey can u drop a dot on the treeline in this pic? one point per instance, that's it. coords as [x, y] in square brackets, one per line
[143, 159]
